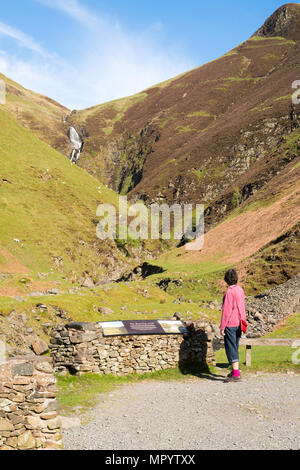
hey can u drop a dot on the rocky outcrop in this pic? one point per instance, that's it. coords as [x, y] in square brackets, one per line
[284, 22]
[141, 272]
[124, 158]
[265, 310]
[266, 145]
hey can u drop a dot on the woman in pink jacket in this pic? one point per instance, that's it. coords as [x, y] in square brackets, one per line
[232, 313]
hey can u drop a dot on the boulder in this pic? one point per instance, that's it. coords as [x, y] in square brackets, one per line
[39, 346]
[105, 311]
[88, 282]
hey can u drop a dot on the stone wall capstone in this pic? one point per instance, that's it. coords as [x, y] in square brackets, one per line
[28, 407]
[81, 348]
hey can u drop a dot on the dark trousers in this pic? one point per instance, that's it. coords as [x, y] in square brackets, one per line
[231, 342]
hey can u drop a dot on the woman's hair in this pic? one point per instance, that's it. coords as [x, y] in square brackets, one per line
[231, 277]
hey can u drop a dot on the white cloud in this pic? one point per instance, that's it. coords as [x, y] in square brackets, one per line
[74, 9]
[108, 62]
[48, 77]
[21, 38]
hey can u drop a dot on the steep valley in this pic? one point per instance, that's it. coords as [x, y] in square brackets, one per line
[226, 134]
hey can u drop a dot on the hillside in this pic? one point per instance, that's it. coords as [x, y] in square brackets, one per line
[48, 213]
[40, 114]
[206, 134]
[259, 238]
[225, 134]
[53, 268]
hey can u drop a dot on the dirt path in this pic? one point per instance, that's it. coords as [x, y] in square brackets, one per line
[260, 412]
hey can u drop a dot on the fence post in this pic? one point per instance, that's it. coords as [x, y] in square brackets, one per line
[248, 355]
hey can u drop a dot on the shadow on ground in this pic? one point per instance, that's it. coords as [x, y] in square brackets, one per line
[202, 371]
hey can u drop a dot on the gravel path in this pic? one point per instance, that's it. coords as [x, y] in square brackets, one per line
[260, 412]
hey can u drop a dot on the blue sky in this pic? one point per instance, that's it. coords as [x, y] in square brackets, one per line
[85, 52]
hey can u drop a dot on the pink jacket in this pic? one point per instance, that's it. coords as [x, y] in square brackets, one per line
[233, 303]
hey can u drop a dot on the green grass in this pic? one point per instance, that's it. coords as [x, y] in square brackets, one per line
[120, 105]
[291, 142]
[200, 281]
[267, 271]
[285, 97]
[48, 204]
[167, 120]
[264, 359]
[270, 358]
[210, 174]
[177, 262]
[183, 129]
[126, 300]
[268, 104]
[200, 174]
[200, 114]
[291, 328]
[27, 100]
[296, 166]
[252, 207]
[271, 57]
[80, 393]
[240, 79]
[25, 104]
[271, 39]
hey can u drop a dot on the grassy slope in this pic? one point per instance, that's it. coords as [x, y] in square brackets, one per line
[275, 263]
[200, 276]
[48, 204]
[136, 300]
[42, 115]
[260, 239]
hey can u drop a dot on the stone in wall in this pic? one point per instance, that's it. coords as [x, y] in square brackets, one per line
[28, 407]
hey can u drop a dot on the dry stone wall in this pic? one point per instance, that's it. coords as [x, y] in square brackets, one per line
[265, 310]
[81, 348]
[28, 407]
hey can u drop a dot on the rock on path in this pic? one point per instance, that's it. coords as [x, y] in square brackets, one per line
[260, 412]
